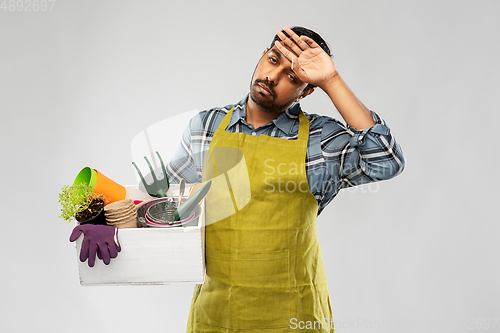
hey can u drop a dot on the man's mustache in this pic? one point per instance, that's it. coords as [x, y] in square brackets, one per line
[268, 84]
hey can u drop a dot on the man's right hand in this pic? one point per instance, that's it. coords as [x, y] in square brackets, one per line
[98, 239]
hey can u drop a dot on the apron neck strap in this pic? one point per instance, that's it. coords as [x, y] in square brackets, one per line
[303, 124]
[225, 121]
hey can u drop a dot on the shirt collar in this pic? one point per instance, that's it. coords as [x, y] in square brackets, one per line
[285, 121]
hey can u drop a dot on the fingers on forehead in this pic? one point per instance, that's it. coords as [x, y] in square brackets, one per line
[292, 38]
[309, 41]
[281, 35]
[285, 50]
[288, 33]
[290, 53]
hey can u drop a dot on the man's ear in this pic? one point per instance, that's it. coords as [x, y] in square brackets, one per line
[305, 93]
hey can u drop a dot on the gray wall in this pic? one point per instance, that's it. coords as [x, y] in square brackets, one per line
[415, 254]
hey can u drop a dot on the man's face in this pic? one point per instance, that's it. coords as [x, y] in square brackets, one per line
[274, 86]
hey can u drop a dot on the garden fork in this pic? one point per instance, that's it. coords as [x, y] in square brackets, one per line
[158, 188]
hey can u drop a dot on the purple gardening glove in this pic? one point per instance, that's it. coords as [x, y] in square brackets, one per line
[98, 239]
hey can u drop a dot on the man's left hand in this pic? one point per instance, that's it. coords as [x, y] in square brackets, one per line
[309, 61]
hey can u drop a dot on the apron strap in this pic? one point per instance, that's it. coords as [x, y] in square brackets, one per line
[222, 127]
[225, 121]
[303, 127]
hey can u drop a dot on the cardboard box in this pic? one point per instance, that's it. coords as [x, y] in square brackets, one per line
[152, 255]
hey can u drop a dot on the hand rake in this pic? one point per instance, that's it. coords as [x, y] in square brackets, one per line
[158, 188]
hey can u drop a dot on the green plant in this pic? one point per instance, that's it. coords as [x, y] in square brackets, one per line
[76, 198]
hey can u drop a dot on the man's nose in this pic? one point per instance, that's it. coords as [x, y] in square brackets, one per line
[273, 76]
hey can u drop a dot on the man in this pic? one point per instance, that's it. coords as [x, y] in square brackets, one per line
[264, 266]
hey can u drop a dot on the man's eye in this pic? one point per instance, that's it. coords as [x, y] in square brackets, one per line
[272, 60]
[292, 78]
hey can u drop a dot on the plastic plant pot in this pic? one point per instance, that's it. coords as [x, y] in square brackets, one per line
[97, 219]
[93, 177]
[86, 176]
[101, 184]
[111, 190]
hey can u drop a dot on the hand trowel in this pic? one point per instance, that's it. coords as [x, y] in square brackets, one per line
[187, 206]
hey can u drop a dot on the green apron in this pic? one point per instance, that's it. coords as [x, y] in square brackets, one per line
[264, 265]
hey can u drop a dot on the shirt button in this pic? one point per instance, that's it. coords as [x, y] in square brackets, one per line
[254, 134]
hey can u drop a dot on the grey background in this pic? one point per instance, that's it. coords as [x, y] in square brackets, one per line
[417, 253]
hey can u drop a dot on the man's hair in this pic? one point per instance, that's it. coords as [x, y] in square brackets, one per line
[301, 31]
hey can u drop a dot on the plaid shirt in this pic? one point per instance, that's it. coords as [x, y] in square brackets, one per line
[337, 156]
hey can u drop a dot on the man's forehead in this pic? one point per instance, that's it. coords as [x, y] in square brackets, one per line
[280, 55]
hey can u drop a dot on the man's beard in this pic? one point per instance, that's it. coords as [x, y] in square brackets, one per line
[266, 103]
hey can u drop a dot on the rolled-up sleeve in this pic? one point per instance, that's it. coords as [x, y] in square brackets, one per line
[182, 163]
[356, 157]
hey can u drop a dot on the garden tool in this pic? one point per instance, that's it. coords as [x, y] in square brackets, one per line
[182, 186]
[97, 239]
[195, 187]
[187, 207]
[167, 212]
[158, 188]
